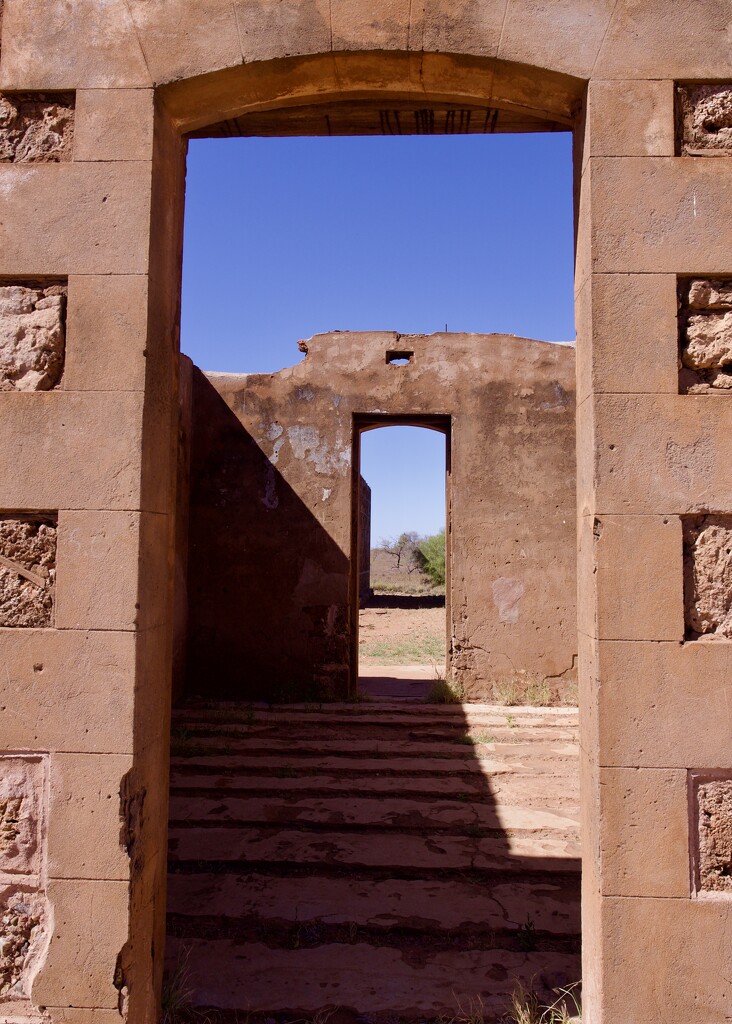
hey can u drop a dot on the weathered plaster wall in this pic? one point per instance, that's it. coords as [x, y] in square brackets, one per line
[100, 448]
[271, 514]
[364, 541]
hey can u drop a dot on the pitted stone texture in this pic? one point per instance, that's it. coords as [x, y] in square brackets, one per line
[708, 575]
[705, 119]
[714, 835]
[30, 543]
[32, 336]
[21, 803]
[23, 939]
[36, 128]
[705, 328]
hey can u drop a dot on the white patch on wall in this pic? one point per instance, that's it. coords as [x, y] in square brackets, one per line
[273, 431]
[507, 594]
[276, 451]
[307, 444]
[327, 491]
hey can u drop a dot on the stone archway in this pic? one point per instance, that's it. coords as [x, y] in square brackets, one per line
[104, 216]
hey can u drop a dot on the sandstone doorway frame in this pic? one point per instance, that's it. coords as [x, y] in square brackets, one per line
[362, 423]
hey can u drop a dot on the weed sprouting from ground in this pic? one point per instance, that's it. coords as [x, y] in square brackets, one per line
[527, 1008]
[177, 996]
[443, 691]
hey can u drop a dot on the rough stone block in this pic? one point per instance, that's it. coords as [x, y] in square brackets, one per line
[24, 935]
[704, 119]
[32, 336]
[712, 832]
[27, 570]
[21, 815]
[36, 128]
[705, 335]
[708, 576]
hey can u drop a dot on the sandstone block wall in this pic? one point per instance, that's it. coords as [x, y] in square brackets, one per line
[652, 207]
[271, 548]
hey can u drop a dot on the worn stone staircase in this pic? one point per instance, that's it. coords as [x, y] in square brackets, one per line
[379, 862]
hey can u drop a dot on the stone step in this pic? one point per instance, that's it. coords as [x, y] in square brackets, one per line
[384, 813]
[244, 845]
[426, 904]
[512, 747]
[490, 717]
[371, 711]
[523, 789]
[256, 978]
[307, 732]
[312, 761]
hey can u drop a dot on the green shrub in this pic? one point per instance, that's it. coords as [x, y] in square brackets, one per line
[432, 551]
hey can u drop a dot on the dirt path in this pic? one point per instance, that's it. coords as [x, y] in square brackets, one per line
[402, 636]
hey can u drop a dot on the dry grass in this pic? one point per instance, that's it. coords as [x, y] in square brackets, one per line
[443, 691]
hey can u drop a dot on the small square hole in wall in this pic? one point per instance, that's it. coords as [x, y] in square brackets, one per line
[704, 119]
[27, 569]
[705, 335]
[36, 127]
[399, 358]
[708, 576]
[710, 798]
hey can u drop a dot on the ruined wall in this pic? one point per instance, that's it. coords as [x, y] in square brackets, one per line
[270, 517]
[364, 541]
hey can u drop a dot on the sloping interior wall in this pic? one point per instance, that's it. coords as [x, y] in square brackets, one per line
[271, 509]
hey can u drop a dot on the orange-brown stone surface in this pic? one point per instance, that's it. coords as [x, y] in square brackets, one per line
[715, 835]
[35, 128]
[27, 570]
[32, 336]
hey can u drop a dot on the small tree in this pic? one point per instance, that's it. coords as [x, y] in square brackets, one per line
[432, 552]
[405, 551]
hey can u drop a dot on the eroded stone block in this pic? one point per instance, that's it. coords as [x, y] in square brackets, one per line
[705, 335]
[23, 940]
[21, 811]
[713, 833]
[27, 570]
[32, 336]
[705, 119]
[36, 127]
[708, 576]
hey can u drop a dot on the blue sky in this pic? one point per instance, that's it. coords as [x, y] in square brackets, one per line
[288, 237]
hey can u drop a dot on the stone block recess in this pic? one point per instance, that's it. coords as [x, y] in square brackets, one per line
[704, 119]
[711, 839]
[705, 335]
[32, 334]
[24, 916]
[36, 127]
[708, 576]
[27, 569]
